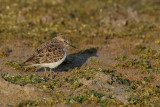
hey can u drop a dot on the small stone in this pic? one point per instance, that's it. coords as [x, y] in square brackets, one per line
[46, 19]
[103, 98]
[21, 19]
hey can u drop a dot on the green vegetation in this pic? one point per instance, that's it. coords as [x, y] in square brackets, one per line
[85, 96]
[22, 80]
[40, 21]
[143, 92]
[94, 60]
[143, 65]
[146, 52]
[69, 82]
[27, 103]
[18, 66]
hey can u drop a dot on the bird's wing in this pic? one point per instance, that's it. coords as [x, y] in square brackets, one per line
[46, 44]
[48, 54]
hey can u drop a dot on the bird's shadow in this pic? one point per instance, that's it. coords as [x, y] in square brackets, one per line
[75, 60]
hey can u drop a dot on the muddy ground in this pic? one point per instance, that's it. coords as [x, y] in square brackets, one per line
[117, 60]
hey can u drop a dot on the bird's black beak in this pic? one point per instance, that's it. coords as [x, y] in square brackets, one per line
[72, 45]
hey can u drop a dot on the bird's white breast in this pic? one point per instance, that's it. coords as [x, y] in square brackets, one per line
[52, 65]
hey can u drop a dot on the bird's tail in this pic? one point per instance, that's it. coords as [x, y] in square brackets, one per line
[26, 65]
[28, 62]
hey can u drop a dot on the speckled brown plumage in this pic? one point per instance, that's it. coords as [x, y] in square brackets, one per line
[49, 52]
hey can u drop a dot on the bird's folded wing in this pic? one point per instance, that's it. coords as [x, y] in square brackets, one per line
[48, 54]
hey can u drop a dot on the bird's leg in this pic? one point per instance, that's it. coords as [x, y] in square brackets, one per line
[46, 73]
[51, 76]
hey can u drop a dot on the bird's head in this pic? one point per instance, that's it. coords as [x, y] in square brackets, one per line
[64, 39]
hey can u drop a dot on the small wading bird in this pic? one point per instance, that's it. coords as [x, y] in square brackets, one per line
[49, 54]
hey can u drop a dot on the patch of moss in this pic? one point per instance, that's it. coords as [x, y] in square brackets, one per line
[146, 52]
[71, 81]
[139, 48]
[109, 102]
[134, 63]
[18, 66]
[144, 65]
[107, 71]
[94, 61]
[87, 73]
[76, 85]
[22, 80]
[148, 95]
[85, 96]
[27, 103]
[143, 92]
[67, 82]
[123, 81]
[121, 58]
[91, 97]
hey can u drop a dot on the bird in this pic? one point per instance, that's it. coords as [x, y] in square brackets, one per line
[49, 54]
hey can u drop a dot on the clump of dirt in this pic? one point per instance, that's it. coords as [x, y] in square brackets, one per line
[12, 94]
[107, 84]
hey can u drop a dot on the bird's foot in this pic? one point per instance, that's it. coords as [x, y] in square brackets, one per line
[51, 75]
